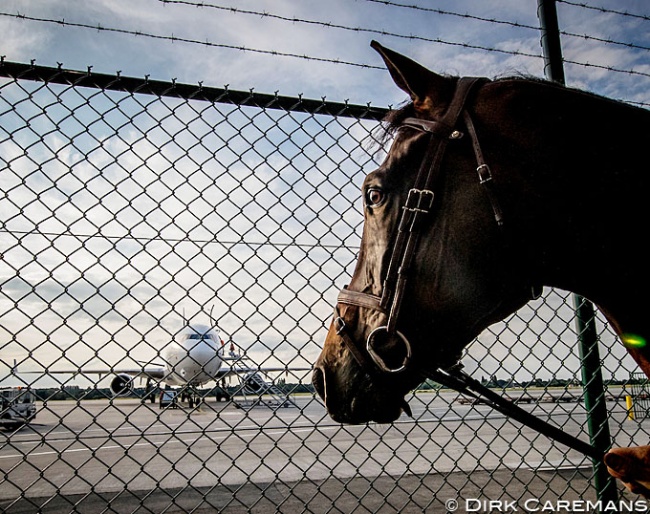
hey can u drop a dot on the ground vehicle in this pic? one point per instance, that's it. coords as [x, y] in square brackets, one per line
[17, 407]
[168, 398]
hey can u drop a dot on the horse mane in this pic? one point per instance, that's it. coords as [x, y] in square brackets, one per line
[394, 119]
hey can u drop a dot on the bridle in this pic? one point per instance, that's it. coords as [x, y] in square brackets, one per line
[419, 203]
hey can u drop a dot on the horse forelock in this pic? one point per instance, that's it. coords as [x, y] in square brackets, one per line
[394, 119]
[391, 123]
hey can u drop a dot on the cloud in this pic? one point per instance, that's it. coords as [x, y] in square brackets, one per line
[181, 206]
[446, 42]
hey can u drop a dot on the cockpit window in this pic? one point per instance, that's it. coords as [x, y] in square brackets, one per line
[207, 337]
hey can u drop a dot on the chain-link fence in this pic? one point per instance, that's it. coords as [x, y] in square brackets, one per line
[130, 207]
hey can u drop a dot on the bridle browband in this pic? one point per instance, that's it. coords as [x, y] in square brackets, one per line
[419, 203]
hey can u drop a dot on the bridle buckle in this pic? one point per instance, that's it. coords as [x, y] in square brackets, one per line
[484, 173]
[419, 200]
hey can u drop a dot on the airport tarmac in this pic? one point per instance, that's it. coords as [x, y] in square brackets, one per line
[107, 447]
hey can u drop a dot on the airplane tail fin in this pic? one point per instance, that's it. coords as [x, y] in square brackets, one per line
[213, 321]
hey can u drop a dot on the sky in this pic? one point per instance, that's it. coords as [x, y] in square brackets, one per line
[311, 48]
[448, 43]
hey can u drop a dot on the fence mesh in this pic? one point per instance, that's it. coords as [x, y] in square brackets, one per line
[125, 214]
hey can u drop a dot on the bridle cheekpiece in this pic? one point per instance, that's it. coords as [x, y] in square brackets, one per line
[418, 205]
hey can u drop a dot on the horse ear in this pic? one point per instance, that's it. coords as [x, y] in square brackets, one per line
[426, 88]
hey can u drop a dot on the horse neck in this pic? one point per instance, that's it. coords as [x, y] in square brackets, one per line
[583, 193]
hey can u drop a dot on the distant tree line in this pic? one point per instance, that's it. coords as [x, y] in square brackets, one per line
[96, 393]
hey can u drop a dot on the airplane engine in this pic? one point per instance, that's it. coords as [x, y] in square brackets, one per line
[122, 385]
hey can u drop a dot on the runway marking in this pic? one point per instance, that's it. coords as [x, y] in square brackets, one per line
[99, 448]
[89, 430]
[276, 431]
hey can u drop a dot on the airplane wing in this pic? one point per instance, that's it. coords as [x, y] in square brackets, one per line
[154, 371]
[158, 372]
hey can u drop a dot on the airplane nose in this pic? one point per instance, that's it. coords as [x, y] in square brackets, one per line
[318, 380]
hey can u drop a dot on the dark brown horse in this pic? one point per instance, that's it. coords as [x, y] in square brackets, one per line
[558, 199]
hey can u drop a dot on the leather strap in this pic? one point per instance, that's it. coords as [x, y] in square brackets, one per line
[436, 128]
[483, 170]
[420, 201]
[463, 383]
[366, 300]
[362, 358]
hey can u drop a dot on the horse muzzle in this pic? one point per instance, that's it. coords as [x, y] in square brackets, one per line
[351, 395]
[361, 407]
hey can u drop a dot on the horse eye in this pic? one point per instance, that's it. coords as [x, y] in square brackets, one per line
[374, 197]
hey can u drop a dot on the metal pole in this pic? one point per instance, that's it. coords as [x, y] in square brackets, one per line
[592, 378]
[550, 41]
[594, 396]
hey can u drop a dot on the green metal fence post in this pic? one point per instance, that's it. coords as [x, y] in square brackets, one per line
[594, 395]
[592, 379]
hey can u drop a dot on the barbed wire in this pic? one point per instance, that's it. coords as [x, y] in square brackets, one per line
[324, 24]
[511, 23]
[606, 68]
[173, 38]
[452, 13]
[266, 14]
[201, 3]
[515, 24]
[604, 10]
[608, 41]
[62, 22]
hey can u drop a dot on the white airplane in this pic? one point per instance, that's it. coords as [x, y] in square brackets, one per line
[195, 357]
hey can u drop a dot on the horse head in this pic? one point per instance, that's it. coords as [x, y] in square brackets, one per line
[434, 268]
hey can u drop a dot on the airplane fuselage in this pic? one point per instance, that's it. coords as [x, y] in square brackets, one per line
[194, 357]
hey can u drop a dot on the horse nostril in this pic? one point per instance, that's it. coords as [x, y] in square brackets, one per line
[318, 380]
